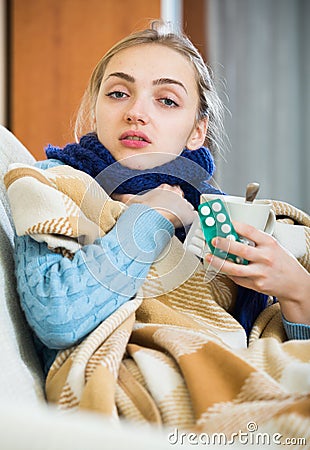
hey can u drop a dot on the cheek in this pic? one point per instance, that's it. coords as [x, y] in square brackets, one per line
[99, 110]
[97, 113]
[102, 117]
[186, 130]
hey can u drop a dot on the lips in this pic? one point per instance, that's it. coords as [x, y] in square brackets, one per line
[134, 140]
[136, 136]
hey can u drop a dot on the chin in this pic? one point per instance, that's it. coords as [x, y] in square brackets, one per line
[146, 160]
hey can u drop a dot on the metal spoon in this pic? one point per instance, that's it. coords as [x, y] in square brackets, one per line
[251, 192]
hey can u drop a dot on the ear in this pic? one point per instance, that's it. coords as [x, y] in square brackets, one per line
[198, 134]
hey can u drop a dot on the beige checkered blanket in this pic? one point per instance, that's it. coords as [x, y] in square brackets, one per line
[173, 356]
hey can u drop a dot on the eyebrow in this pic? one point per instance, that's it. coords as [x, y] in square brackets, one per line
[122, 75]
[160, 81]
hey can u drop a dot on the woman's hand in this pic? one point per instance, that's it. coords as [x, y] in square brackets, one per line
[167, 200]
[272, 270]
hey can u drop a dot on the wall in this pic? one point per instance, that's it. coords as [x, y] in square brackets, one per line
[2, 62]
[55, 45]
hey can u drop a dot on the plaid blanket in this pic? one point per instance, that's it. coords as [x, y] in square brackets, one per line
[173, 356]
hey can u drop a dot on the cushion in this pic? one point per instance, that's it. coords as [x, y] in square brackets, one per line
[21, 377]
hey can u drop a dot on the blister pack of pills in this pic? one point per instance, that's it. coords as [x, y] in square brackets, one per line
[213, 221]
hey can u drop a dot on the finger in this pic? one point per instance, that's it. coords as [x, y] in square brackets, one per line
[175, 188]
[250, 232]
[167, 186]
[242, 281]
[179, 190]
[124, 198]
[228, 267]
[236, 248]
[189, 205]
[116, 197]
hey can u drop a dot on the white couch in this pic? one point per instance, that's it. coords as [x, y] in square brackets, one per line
[26, 421]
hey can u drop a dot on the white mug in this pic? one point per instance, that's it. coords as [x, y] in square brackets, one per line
[259, 213]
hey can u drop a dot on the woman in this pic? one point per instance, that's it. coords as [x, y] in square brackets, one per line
[149, 98]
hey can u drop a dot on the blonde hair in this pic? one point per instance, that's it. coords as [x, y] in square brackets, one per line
[159, 32]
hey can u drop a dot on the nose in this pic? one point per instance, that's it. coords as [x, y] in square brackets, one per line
[137, 113]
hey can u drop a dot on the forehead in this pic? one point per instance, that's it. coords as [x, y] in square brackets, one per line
[153, 61]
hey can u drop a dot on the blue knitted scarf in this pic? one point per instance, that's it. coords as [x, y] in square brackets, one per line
[190, 170]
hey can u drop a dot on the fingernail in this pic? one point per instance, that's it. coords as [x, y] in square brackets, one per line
[215, 242]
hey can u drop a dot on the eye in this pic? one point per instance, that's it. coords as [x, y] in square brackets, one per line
[168, 102]
[117, 94]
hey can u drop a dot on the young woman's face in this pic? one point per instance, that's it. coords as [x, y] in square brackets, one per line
[147, 106]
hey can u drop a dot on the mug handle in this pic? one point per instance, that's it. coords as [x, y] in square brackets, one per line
[269, 228]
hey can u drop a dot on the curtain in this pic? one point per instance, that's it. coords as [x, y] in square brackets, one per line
[259, 51]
